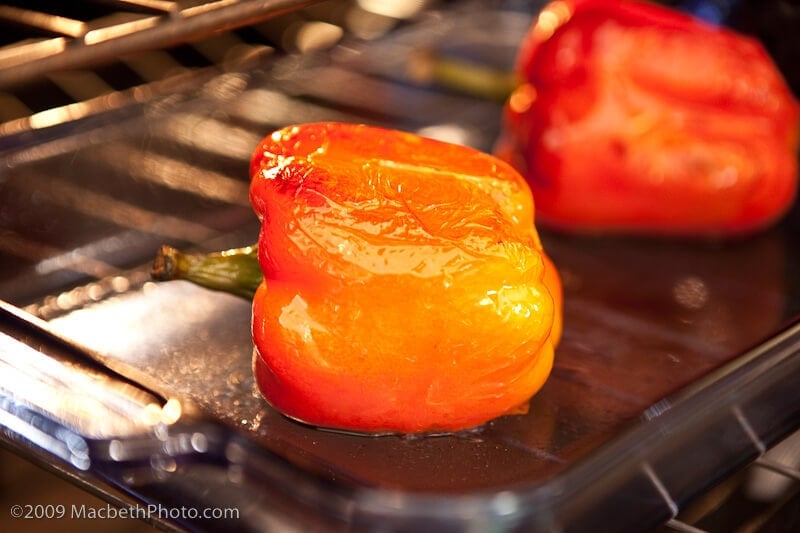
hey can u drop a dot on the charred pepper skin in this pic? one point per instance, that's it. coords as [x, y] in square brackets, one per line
[405, 287]
[635, 118]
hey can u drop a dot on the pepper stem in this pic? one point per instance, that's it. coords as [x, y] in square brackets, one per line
[484, 81]
[235, 271]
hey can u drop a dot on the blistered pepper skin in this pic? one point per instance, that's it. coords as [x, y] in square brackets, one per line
[634, 118]
[405, 288]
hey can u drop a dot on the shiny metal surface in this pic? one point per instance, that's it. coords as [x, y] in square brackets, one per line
[131, 26]
[56, 397]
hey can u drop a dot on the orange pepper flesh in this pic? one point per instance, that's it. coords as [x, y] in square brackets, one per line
[635, 118]
[405, 288]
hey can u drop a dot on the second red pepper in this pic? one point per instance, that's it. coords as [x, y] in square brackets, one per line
[639, 119]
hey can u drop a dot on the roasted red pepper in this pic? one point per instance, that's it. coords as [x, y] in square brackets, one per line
[405, 288]
[398, 285]
[636, 118]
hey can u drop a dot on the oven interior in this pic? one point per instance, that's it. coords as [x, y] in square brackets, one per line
[125, 125]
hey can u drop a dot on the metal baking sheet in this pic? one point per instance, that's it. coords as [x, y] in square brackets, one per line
[642, 320]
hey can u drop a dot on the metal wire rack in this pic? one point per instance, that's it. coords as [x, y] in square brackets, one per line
[46, 37]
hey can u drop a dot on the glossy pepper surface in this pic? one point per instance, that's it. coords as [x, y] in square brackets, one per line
[405, 287]
[636, 118]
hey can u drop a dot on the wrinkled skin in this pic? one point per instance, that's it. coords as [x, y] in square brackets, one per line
[405, 288]
[633, 118]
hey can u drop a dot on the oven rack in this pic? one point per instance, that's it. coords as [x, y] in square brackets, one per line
[47, 37]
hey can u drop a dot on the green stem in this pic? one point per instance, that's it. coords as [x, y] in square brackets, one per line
[235, 271]
[466, 77]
